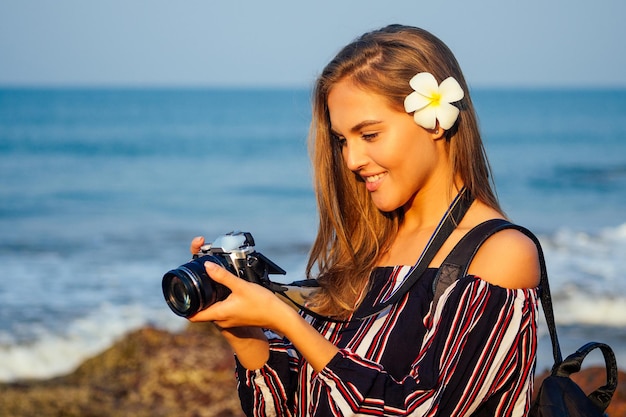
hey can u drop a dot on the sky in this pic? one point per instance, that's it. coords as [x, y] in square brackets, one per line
[286, 43]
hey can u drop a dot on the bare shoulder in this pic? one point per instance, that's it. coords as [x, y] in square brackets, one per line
[508, 259]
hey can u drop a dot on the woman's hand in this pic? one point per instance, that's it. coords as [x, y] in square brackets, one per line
[251, 307]
[249, 343]
[249, 304]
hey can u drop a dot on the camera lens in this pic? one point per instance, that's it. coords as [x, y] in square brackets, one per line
[179, 295]
[188, 289]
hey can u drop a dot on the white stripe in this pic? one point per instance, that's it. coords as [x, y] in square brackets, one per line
[266, 392]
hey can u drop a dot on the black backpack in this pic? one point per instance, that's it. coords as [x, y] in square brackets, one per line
[558, 394]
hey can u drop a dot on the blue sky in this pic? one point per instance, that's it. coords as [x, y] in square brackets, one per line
[530, 43]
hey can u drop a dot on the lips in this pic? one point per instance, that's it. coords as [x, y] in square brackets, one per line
[372, 182]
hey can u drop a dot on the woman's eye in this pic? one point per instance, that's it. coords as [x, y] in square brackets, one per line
[369, 136]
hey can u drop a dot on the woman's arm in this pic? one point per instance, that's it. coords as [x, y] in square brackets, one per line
[508, 259]
[249, 345]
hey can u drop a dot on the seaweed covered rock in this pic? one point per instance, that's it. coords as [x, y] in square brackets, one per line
[149, 373]
[159, 374]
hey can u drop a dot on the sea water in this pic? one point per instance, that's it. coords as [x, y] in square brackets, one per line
[102, 190]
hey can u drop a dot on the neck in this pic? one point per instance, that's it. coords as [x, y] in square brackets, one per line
[425, 210]
[418, 226]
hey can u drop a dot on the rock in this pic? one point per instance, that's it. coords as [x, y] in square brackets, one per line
[159, 374]
[148, 373]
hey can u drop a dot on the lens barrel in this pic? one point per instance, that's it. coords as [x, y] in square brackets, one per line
[188, 289]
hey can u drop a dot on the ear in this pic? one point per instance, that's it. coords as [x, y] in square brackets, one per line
[437, 133]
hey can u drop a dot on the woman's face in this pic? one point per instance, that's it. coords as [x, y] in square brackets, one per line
[382, 145]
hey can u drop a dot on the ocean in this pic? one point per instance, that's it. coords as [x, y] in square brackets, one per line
[102, 190]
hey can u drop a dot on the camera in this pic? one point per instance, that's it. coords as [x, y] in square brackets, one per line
[188, 289]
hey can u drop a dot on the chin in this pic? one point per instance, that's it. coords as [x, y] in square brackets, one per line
[386, 207]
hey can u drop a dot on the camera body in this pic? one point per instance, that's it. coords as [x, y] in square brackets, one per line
[188, 289]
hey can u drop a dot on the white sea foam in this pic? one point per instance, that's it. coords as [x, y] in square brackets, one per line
[588, 276]
[582, 309]
[55, 354]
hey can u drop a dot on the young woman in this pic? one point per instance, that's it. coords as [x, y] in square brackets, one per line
[395, 145]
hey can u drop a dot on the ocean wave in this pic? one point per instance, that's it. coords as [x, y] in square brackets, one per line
[581, 309]
[54, 354]
[586, 274]
[585, 269]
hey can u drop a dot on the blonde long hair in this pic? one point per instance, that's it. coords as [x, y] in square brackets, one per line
[352, 232]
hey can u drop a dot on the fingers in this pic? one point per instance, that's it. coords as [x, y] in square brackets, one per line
[214, 313]
[248, 304]
[221, 275]
[196, 244]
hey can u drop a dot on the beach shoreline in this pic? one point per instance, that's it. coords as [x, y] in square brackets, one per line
[149, 372]
[154, 372]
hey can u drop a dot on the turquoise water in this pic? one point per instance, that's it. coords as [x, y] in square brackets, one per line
[102, 190]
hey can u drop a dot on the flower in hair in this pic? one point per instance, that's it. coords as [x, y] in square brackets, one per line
[431, 102]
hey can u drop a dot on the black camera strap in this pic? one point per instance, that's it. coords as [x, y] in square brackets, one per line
[446, 226]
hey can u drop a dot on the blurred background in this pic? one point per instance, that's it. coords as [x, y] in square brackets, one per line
[127, 128]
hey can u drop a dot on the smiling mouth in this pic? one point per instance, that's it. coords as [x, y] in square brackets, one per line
[373, 178]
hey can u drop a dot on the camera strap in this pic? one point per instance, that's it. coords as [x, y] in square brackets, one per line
[446, 226]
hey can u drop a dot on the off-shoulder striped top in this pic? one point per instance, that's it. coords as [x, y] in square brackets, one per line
[473, 356]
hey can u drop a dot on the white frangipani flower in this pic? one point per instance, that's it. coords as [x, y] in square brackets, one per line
[431, 102]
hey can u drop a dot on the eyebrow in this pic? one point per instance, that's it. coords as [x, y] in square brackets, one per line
[358, 126]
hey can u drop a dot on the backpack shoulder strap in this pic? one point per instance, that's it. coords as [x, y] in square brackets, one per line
[458, 260]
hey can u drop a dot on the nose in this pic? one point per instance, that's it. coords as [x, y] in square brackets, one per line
[354, 155]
